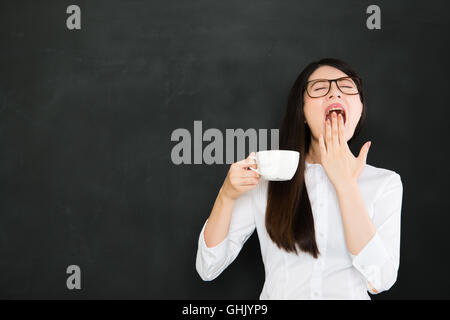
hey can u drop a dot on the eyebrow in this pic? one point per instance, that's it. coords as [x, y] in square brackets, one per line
[329, 79]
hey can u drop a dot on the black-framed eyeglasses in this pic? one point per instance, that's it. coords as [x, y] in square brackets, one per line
[320, 87]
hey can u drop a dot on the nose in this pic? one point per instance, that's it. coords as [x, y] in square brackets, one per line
[334, 91]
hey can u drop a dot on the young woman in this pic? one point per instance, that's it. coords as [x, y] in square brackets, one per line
[333, 230]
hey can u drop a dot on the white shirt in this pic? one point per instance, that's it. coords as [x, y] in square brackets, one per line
[336, 274]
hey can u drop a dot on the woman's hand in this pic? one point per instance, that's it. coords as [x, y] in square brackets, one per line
[337, 159]
[240, 178]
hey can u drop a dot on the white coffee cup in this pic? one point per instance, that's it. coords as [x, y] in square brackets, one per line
[276, 165]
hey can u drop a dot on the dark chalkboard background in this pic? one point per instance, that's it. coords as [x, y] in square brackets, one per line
[86, 116]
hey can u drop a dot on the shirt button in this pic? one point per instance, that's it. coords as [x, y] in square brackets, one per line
[321, 234]
[316, 294]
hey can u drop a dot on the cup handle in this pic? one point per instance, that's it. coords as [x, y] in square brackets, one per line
[256, 170]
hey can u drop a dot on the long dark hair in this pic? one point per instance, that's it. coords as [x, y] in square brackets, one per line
[289, 218]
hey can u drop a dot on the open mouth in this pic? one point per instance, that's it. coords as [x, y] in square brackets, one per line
[337, 110]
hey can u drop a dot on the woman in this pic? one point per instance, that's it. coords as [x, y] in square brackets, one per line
[333, 230]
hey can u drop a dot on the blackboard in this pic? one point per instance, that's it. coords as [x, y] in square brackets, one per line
[86, 117]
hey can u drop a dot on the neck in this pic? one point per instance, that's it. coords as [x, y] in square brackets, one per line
[313, 155]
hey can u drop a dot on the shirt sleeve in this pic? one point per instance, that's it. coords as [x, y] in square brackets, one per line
[211, 261]
[379, 260]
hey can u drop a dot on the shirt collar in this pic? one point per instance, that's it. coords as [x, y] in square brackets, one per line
[312, 165]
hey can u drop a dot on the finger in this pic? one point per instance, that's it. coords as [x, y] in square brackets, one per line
[249, 181]
[249, 173]
[248, 187]
[342, 140]
[363, 152]
[247, 166]
[346, 146]
[341, 130]
[334, 130]
[323, 149]
[247, 162]
[328, 134]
